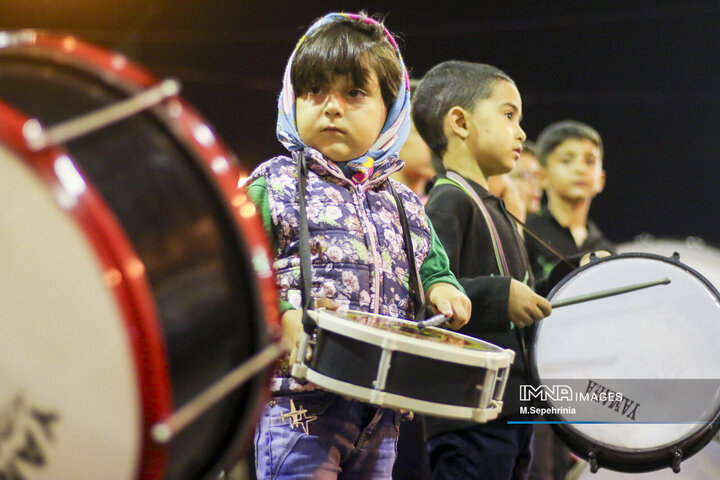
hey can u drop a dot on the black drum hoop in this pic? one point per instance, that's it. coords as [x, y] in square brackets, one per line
[629, 460]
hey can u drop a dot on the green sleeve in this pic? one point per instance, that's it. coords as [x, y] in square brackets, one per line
[436, 267]
[257, 192]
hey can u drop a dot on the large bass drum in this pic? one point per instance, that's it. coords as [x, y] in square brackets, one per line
[134, 276]
[631, 382]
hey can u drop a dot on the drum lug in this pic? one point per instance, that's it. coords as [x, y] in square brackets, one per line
[676, 459]
[676, 256]
[592, 460]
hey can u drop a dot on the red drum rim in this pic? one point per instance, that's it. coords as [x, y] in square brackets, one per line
[124, 272]
[188, 122]
[621, 459]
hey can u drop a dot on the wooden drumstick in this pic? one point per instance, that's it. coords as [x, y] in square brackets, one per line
[607, 293]
[39, 138]
[163, 432]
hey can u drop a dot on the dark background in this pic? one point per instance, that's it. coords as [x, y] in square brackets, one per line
[645, 74]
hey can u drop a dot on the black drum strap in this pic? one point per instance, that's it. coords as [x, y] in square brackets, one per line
[304, 246]
[415, 289]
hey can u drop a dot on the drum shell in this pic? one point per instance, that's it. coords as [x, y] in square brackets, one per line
[393, 363]
[352, 361]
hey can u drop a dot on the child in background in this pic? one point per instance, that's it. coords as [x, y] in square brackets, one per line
[344, 112]
[418, 169]
[520, 189]
[527, 177]
[571, 156]
[469, 114]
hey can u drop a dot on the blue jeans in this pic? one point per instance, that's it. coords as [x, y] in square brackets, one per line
[320, 435]
[489, 451]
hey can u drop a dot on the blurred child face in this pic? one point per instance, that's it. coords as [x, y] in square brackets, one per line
[495, 137]
[341, 120]
[417, 156]
[528, 180]
[574, 170]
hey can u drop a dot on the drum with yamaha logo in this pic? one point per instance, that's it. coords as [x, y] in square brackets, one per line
[137, 299]
[631, 381]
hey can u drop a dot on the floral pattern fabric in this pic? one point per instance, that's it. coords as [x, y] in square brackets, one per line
[356, 241]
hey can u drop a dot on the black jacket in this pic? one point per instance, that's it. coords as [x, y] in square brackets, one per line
[560, 238]
[464, 233]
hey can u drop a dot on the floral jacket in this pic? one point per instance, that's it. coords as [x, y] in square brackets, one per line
[356, 239]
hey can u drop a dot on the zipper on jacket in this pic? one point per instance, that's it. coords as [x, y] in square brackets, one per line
[371, 231]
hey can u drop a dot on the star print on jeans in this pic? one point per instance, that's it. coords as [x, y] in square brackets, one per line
[297, 417]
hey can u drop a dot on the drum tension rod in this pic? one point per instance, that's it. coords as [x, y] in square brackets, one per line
[592, 460]
[163, 432]
[676, 460]
[38, 138]
[607, 293]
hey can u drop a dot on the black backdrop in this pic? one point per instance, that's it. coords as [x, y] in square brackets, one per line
[645, 74]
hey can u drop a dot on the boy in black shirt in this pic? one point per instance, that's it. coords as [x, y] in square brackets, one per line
[469, 114]
[570, 154]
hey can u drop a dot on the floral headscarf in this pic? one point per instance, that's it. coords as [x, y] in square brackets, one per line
[393, 133]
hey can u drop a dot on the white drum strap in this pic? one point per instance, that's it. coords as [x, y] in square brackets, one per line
[455, 179]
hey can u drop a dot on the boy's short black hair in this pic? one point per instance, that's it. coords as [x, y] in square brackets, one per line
[556, 133]
[446, 85]
[347, 47]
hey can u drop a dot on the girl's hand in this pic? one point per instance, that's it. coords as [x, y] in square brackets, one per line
[446, 299]
[292, 326]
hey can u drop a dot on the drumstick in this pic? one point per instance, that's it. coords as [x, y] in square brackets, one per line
[39, 138]
[433, 321]
[164, 431]
[607, 293]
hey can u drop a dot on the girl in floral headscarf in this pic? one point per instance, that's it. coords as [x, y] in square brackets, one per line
[344, 111]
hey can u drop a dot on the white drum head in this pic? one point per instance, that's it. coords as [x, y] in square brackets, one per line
[646, 361]
[68, 381]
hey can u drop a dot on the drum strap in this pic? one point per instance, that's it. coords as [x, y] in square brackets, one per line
[455, 179]
[304, 246]
[458, 181]
[416, 290]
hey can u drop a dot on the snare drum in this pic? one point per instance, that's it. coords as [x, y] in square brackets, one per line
[134, 276]
[632, 380]
[390, 362]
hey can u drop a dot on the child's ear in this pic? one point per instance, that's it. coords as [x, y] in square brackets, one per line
[457, 122]
[601, 182]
